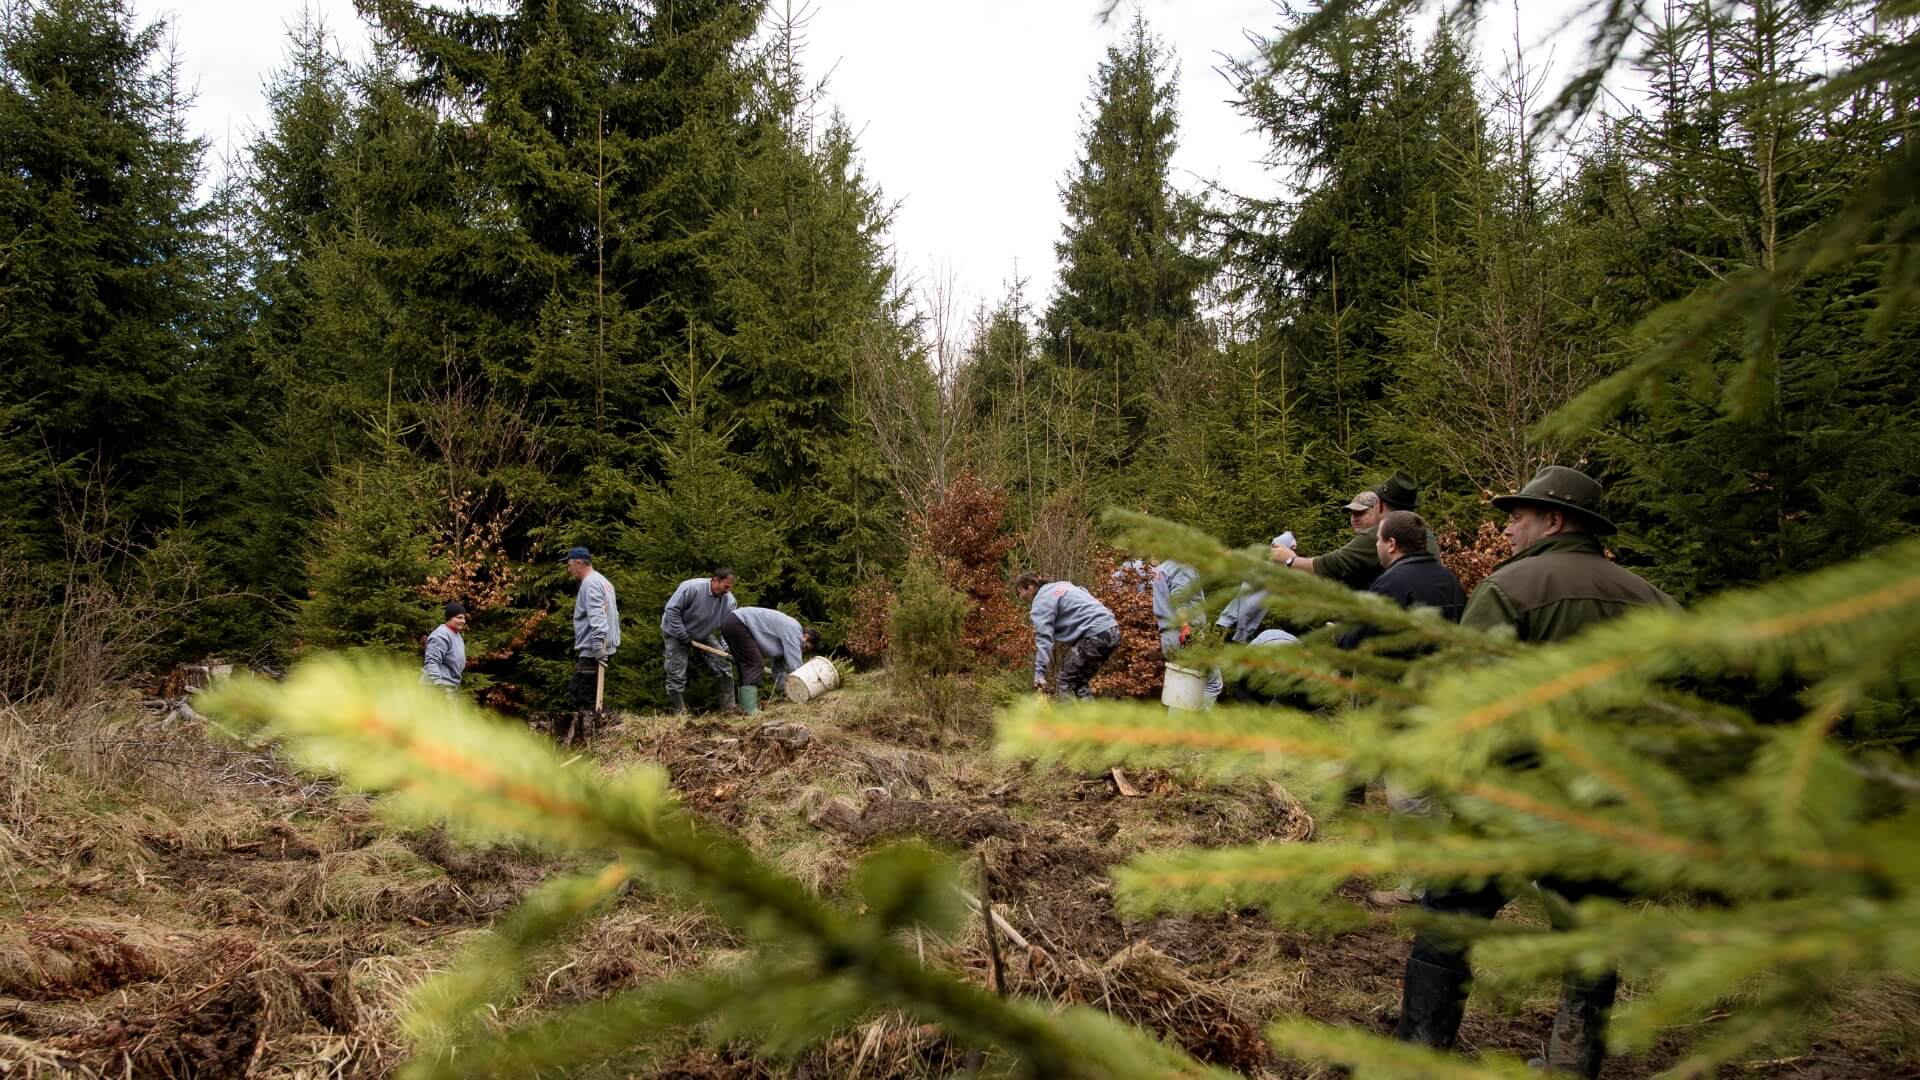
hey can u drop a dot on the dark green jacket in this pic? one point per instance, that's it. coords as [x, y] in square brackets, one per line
[1557, 588]
[1357, 563]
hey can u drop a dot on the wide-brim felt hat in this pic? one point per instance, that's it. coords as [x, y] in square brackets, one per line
[1563, 489]
[1400, 491]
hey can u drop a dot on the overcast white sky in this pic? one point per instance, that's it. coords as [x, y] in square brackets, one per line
[968, 110]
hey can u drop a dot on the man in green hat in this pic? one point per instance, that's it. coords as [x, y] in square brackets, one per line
[1558, 582]
[1357, 562]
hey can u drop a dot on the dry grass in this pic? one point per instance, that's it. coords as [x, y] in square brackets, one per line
[1881, 1016]
[220, 915]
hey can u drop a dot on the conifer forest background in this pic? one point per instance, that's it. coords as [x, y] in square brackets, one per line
[591, 273]
[602, 272]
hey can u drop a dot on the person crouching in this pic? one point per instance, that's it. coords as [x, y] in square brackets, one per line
[1066, 614]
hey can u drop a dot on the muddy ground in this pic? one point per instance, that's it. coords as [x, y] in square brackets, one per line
[177, 908]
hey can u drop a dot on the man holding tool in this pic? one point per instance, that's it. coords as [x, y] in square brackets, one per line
[596, 635]
[692, 619]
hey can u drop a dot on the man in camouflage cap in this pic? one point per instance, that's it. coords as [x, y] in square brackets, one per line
[1558, 582]
[1357, 563]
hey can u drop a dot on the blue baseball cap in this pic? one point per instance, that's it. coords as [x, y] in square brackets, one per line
[579, 553]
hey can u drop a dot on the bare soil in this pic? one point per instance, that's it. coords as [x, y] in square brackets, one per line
[266, 925]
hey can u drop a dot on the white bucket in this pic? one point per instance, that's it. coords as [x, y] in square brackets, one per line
[1184, 688]
[811, 679]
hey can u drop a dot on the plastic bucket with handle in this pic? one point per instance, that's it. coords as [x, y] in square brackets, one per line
[811, 679]
[1184, 688]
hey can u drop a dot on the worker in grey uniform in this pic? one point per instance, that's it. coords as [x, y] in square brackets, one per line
[1244, 614]
[762, 640]
[1066, 614]
[445, 654]
[694, 613]
[1177, 614]
[596, 628]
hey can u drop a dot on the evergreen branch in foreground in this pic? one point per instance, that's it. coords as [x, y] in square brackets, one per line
[491, 971]
[372, 722]
[1842, 619]
[1222, 742]
[1769, 877]
[1371, 1057]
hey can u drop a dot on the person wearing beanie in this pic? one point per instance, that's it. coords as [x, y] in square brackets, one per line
[446, 651]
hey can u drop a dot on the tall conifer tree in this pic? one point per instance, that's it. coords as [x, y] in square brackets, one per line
[1128, 269]
[108, 283]
[1359, 119]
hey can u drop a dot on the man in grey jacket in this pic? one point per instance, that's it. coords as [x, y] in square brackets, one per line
[783, 643]
[1244, 614]
[1066, 614]
[1170, 580]
[694, 613]
[596, 629]
[446, 651]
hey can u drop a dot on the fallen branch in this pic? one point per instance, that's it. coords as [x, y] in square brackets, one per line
[998, 974]
[1000, 922]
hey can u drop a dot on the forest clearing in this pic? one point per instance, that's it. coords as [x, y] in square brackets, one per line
[197, 910]
[506, 572]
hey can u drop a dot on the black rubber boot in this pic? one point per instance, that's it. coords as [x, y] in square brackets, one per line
[726, 699]
[676, 703]
[1433, 1001]
[1578, 1044]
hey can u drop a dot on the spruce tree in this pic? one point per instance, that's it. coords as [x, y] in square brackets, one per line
[1359, 122]
[368, 573]
[1754, 459]
[1496, 333]
[108, 275]
[802, 277]
[1005, 377]
[1128, 264]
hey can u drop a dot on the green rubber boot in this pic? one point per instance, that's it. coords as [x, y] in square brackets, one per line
[750, 700]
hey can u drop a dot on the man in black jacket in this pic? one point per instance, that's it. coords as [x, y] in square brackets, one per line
[1412, 576]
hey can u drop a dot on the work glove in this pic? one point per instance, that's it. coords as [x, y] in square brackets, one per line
[1186, 632]
[1039, 686]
